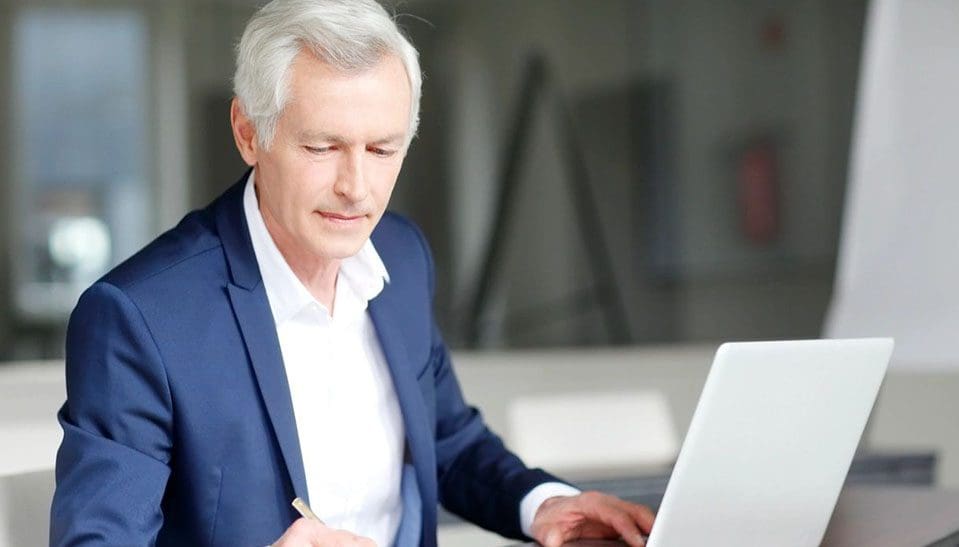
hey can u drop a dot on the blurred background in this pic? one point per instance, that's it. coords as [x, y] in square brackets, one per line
[611, 189]
[675, 170]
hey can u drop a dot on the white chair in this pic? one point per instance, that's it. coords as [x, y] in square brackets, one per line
[578, 433]
[30, 394]
[25, 508]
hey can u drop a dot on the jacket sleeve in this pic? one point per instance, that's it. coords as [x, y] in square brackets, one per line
[479, 478]
[113, 462]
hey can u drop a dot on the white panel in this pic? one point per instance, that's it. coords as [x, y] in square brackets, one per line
[899, 259]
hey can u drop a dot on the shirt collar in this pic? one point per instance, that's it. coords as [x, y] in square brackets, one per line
[364, 272]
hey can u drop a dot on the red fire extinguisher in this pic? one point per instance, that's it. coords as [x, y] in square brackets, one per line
[759, 193]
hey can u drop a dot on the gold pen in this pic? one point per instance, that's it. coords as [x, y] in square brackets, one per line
[304, 510]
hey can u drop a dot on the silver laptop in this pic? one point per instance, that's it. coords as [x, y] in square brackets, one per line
[770, 443]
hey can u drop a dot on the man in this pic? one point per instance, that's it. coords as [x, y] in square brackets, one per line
[280, 342]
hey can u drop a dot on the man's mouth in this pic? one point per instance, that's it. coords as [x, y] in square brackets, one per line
[340, 217]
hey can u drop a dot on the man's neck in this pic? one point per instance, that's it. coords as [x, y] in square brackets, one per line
[317, 274]
[318, 277]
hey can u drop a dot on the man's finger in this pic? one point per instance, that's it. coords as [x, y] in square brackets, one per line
[625, 526]
[554, 538]
[307, 527]
[629, 520]
[643, 515]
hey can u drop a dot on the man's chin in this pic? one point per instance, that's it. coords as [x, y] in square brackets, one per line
[338, 248]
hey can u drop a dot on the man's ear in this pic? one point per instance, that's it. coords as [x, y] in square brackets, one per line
[244, 133]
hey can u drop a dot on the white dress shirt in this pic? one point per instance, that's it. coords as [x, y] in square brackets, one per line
[348, 418]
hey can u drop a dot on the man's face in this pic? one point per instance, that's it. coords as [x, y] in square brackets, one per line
[340, 142]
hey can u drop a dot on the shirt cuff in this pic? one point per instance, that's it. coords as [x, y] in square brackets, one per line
[531, 502]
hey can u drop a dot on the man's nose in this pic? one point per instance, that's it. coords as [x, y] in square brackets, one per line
[351, 180]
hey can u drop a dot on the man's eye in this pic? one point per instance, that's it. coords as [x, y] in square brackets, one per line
[317, 149]
[381, 152]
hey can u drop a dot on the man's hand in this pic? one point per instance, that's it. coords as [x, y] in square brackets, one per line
[590, 515]
[312, 533]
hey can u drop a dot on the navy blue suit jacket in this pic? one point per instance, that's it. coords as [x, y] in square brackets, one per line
[178, 425]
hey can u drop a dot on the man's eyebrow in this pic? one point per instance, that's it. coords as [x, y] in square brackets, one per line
[311, 136]
[396, 138]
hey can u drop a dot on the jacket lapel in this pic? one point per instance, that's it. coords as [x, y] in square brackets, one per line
[415, 421]
[259, 333]
[252, 310]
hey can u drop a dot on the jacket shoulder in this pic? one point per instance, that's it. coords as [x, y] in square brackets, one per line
[192, 238]
[404, 249]
[396, 229]
[175, 253]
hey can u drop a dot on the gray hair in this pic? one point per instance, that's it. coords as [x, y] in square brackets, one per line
[351, 35]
